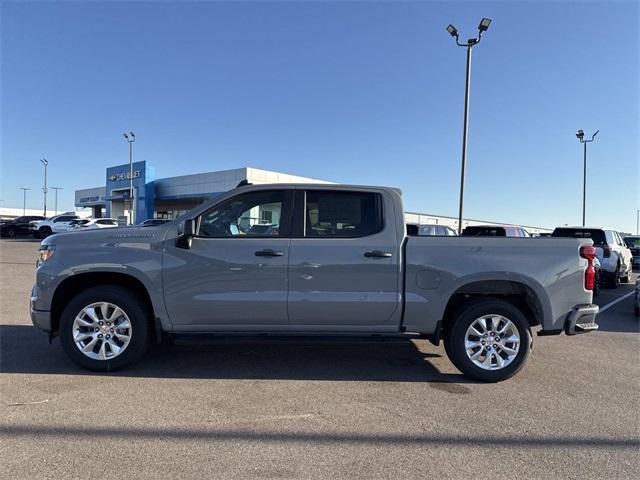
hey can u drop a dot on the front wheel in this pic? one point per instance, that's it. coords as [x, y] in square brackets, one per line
[104, 328]
[488, 340]
[44, 232]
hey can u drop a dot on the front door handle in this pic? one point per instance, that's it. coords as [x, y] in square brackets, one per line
[268, 252]
[378, 254]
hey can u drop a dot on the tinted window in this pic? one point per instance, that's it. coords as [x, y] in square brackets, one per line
[245, 216]
[484, 232]
[65, 218]
[342, 214]
[632, 242]
[594, 234]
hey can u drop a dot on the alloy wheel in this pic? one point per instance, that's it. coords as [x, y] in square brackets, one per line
[102, 331]
[492, 342]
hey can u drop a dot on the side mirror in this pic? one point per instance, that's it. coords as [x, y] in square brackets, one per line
[186, 231]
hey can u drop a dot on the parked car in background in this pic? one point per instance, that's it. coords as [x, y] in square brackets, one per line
[152, 222]
[633, 243]
[430, 230]
[495, 231]
[614, 256]
[99, 223]
[56, 224]
[17, 226]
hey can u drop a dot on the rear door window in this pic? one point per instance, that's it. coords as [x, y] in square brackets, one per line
[331, 214]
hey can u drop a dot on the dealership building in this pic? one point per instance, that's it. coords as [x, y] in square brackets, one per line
[167, 197]
[170, 197]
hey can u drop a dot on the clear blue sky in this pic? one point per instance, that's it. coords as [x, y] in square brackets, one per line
[358, 92]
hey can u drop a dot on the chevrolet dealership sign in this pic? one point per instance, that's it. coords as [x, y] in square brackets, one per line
[124, 176]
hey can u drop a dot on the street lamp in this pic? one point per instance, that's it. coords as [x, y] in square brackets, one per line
[24, 200]
[130, 139]
[482, 27]
[56, 203]
[580, 135]
[44, 189]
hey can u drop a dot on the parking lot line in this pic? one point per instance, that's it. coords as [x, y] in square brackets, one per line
[611, 304]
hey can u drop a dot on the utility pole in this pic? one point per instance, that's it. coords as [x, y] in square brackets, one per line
[580, 136]
[56, 202]
[130, 139]
[483, 27]
[24, 200]
[44, 189]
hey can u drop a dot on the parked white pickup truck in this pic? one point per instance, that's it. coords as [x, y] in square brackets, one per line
[333, 260]
[56, 224]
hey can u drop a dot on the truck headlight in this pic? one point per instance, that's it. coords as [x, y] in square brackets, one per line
[46, 252]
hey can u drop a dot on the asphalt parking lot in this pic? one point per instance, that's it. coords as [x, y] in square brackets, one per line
[343, 409]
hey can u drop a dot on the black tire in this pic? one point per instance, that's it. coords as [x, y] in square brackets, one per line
[11, 232]
[455, 333]
[636, 311]
[614, 278]
[129, 303]
[44, 232]
[625, 278]
[596, 285]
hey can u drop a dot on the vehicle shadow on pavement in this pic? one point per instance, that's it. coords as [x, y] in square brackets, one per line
[24, 349]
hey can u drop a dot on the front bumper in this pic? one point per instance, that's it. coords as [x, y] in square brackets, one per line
[581, 319]
[39, 318]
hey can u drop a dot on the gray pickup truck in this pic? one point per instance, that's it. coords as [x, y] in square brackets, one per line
[309, 259]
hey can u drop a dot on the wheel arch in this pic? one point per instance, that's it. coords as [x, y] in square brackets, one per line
[520, 294]
[73, 285]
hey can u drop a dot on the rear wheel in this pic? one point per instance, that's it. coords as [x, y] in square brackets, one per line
[488, 340]
[596, 284]
[105, 328]
[11, 232]
[614, 279]
[625, 278]
[44, 232]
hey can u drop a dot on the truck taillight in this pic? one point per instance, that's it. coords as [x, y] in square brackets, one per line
[588, 252]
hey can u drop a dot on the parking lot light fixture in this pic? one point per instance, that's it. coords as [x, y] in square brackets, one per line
[484, 24]
[482, 27]
[130, 139]
[580, 136]
[24, 200]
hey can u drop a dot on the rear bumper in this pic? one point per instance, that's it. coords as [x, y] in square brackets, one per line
[581, 319]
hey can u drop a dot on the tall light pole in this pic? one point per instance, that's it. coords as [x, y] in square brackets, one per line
[56, 203]
[483, 27]
[130, 139]
[637, 222]
[24, 200]
[44, 189]
[580, 136]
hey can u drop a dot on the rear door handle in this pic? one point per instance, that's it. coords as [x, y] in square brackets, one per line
[378, 254]
[269, 253]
